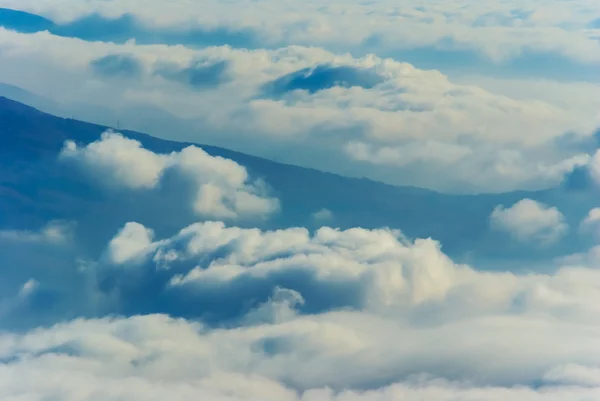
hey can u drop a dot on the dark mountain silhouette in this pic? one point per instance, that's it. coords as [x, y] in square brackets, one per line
[35, 188]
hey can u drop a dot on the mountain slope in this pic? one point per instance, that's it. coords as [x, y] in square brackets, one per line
[34, 189]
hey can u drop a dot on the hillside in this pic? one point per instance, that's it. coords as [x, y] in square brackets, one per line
[35, 188]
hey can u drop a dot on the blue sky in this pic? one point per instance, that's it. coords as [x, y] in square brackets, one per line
[141, 269]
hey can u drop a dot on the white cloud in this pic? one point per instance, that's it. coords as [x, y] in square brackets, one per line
[591, 223]
[419, 326]
[222, 186]
[119, 160]
[408, 129]
[594, 167]
[529, 220]
[29, 287]
[323, 215]
[499, 31]
[154, 357]
[593, 217]
[11, 303]
[379, 271]
[134, 239]
[575, 374]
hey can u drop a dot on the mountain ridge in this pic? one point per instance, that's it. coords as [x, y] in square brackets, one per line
[36, 189]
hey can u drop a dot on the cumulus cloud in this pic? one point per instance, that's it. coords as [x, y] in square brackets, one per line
[368, 270]
[222, 187]
[594, 167]
[591, 223]
[529, 220]
[133, 240]
[285, 356]
[290, 314]
[119, 160]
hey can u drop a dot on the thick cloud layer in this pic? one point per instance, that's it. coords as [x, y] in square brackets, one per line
[154, 357]
[412, 324]
[443, 33]
[365, 116]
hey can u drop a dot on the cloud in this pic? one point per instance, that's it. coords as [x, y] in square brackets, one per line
[424, 152]
[226, 312]
[407, 129]
[528, 220]
[453, 33]
[575, 374]
[594, 167]
[289, 314]
[117, 65]
[591, 223]
[222, 187]
[53, 233]
[29, 287]
[323, 215]
[133, 240]
[153, 357]
[372, 270]
[119, 161]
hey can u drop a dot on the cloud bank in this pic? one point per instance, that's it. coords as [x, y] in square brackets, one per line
[412, 324]
[361, 116]
[432, 33]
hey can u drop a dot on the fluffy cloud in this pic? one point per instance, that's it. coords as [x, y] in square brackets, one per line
[370, 116]
[133, 240]
[528, 220]
[290, 315]
[375, 271]
[591, 223]
[222, 187]
[153, 357]
[594, 167]
[119, 160]
[323, 215]
[423, 327]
